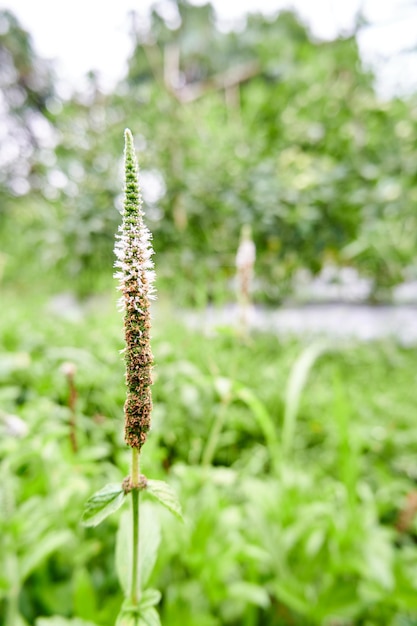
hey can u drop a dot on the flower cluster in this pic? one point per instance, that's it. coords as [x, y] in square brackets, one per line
[136, 276]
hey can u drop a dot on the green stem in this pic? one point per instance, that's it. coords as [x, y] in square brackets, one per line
[215, 433]
[135, 468]
[12, 609]
[135, 587]
[12, 602]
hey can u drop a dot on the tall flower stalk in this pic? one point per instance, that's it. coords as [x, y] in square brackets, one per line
[136, 276]
[135, 273]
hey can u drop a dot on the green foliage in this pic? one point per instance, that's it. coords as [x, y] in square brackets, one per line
[164, 493]
[149, 540]
[60, 621]
[102, 504]
[28, 94]
[291, 139]
[309, 539]
[296, 382]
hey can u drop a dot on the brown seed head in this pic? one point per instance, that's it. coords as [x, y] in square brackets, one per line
[135, 273]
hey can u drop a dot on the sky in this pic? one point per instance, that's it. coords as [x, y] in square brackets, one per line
[82, 35]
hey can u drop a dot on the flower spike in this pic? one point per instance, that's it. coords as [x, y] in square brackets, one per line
[136, 277]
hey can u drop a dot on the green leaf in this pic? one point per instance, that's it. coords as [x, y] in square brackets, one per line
[41, 550]
[84, 597]
[138, 616]
[165, 494]
[20, 620]
[123, 553]
[150, 597]
[296, 383]
[261, 415]
[4, 586]
[128, 618]
[149, 540]
[102, 504]
[61, 621]
[149, 617]
[338, 600]
[291, 594]
[251, 593]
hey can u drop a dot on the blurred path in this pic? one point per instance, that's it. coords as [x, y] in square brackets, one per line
[339, 321]
[333, 320]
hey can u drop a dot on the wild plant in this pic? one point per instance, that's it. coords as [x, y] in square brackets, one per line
[69, 370]
[245, 261]
[136, 282]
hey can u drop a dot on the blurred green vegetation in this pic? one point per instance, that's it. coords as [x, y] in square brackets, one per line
[317, 526]
[266, 126]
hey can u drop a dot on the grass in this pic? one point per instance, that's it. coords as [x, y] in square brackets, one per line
[292, 491]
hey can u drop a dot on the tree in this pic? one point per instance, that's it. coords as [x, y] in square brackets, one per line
[266, 127]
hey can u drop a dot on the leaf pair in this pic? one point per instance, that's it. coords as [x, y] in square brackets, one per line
[142, 615]
[111, 497]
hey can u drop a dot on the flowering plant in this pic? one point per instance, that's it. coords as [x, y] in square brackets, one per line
[136, 277]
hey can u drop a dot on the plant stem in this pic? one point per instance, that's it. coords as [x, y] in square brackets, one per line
[11, 611]
[135, 587]
[72, 401]
[215, 433]
[135, 468]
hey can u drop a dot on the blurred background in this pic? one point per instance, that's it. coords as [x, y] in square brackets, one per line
[298, 122]
[284, 413]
